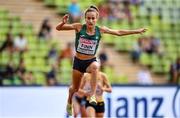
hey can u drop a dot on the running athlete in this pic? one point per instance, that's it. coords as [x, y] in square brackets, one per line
[87, 40]
[103, 85]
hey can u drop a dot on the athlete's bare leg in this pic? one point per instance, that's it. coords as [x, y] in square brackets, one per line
[99, 115]
[91, 112]
[76, 81]
[76, 107]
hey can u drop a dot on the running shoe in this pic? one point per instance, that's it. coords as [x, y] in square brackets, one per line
[69, 109]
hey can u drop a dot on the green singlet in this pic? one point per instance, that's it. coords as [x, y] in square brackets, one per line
[87, 44]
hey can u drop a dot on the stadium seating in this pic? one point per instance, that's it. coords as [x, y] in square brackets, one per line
[166, 29]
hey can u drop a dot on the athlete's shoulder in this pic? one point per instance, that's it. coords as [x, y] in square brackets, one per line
[103, 74]
[103, 29]
[77, 26]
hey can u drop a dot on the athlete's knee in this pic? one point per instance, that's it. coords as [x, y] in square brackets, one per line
[70, 89]
[73, 89]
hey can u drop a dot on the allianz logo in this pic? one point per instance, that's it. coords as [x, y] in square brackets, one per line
[152, 106]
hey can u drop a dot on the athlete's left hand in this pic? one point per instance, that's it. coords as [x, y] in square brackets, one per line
[142, 30]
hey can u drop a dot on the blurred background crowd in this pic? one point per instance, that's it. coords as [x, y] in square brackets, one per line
[37, 57]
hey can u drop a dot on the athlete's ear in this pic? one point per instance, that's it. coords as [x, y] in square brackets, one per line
[97, 16]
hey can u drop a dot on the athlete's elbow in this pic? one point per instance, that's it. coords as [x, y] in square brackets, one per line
[109, 90]
[57, 28]
[119, 34]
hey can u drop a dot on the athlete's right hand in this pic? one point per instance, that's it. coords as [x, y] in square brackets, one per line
[65, 18]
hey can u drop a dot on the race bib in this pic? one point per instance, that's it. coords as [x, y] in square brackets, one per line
[86, 46]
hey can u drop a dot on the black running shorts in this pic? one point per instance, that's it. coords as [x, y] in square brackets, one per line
[81, 65]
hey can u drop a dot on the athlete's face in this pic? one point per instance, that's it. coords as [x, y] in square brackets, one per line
[91, 19]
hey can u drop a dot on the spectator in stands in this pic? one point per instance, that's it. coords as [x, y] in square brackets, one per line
[146, 45]
[29, 78]
[21, 44]
[45, 30]
[10, 72]
[51, 76]
[8, 44]
[174, 73]
[26, 77]
[144, 76]
[74, 11]
[149, 45]
[67, 53]
[127, 11]
[116, 13]
[136, 3]
[52, 55]
[103, 59]
[21, 71]
[111, 16]
[156, 45]
[136, 51]
[103, 11]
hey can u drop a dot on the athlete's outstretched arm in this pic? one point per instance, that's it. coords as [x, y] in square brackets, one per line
[107, 30]
[64, 26]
